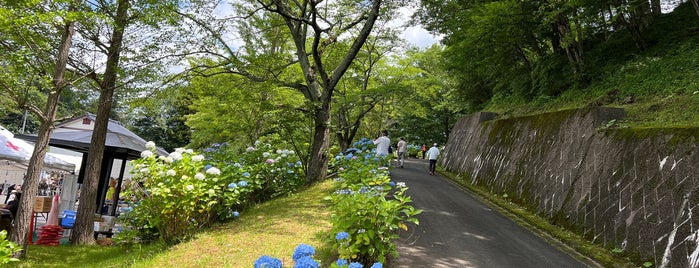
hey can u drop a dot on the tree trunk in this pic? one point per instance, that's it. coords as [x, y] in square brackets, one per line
[655, 7]
[695, 3]
[20, 233]
[318, 166]
[83, 233]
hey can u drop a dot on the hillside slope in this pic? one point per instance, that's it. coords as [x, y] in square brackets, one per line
[658, 87]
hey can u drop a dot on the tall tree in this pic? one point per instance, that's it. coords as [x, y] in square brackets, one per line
[83, 229]
[25, 46]
[136, 32]
[313, 27]
[368, 83]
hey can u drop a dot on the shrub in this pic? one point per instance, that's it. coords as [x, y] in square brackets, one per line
[367, 207]
[176, 196]
[7, 249]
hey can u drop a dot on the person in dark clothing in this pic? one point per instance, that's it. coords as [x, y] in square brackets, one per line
[13, 205]
[8, 193]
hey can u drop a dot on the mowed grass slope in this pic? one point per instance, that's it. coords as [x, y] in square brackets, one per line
[273, 228]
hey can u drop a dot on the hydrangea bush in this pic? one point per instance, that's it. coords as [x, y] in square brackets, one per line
[368, 208]
[175, 196]
[268, 170]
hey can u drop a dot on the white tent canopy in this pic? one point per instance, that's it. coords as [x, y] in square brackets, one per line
[18, 152]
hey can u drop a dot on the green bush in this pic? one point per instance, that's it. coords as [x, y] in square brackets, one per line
[7, 249]
[174, 197]
[368, 207]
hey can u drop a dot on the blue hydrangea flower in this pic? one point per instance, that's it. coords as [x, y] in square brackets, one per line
[355, 265]
[298, 163]
[267, 262]
[303, 250]
[377, 265]
[232, 185]
[349, 156]
[341, 262]
[306, 262]
[242, 183]
[392, 184]
[246, 174]
[236, 214]
[367, 156]
[341, 236]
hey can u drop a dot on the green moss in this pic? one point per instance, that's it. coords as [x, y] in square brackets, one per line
[676, 136]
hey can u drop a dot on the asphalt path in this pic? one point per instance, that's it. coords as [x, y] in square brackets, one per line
[458, 230]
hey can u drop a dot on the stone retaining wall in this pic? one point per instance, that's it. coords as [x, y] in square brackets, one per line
[632, 189]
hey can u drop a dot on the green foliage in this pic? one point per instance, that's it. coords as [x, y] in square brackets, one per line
[178, 196]
[269, 169]
[7, 249]
[229, 108]
[368, 207]
[175, 197]
[655, 86]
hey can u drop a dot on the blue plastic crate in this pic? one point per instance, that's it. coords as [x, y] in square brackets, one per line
[68, 219]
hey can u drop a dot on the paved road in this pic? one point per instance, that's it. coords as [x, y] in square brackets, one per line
[458, 230]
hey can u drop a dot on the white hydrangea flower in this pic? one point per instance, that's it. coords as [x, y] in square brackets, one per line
[184, 177]
[161, 174]
[189, 187]
[197, 158]
[279, 151]
[211, 192]
[213, 171]
[146, 154]
[176, 156]
[168, 160]
[265, 154]
[189, 151]
[144, 170]
[150, 145]
[171, 172]
[249, 149]
[179, 150]
[162, 158]
[257, 143]
[199, 176]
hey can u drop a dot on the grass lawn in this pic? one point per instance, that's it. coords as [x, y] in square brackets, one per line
[273, 228]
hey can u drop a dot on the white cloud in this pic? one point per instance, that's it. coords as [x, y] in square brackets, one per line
[419, 37]
[415, 35]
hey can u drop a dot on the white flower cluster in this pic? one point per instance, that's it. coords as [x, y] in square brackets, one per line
[197, 158]
[146, 154]
[213, 171]
[150, 145]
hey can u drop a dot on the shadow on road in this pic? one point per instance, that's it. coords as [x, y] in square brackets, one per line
[458, 230]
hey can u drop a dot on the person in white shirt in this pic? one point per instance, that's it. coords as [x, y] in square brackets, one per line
[432, 155]
[382, 143]
[402, 145]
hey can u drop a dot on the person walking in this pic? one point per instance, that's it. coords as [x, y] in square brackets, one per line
[402, 145]
[424, 150]
[432, 155]
[382, 143]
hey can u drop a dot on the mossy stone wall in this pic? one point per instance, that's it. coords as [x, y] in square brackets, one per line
[632, 189]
